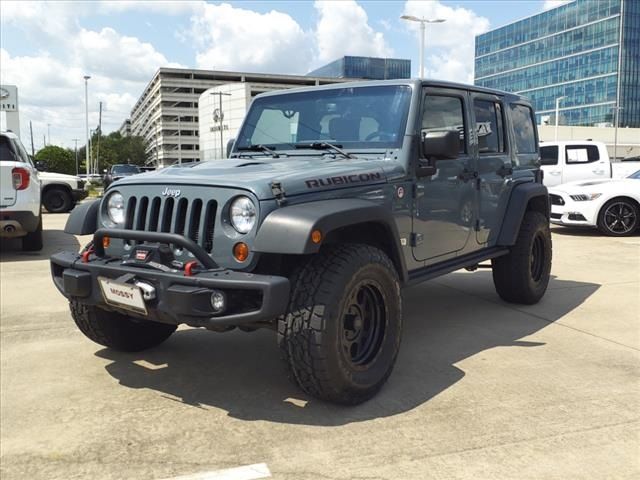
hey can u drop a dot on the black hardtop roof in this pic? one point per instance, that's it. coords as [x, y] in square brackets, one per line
[413, 82]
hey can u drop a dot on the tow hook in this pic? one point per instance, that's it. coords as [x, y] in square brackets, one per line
[148, 290]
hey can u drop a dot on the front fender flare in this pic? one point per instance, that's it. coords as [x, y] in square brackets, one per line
[83, 219]
[288, 230]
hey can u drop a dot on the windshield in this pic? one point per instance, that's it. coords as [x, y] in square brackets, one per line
[120, 169]
[635, 175]
[351, 117]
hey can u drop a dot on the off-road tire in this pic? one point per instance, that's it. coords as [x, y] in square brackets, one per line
[32, 241]
[618, 207]
[313, 334]
[117, 331]
[522, 276]
[57, 200]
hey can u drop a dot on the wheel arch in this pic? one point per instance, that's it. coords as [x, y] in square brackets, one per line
[288, 230]
[525, 197]
[50, 186]
[83, 219]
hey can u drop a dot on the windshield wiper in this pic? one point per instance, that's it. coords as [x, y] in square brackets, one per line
[325, 146]
[259, 148]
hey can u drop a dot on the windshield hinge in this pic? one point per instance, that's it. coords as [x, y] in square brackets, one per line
[278, 193]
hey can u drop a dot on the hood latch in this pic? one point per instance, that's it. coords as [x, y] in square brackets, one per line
[278, 193]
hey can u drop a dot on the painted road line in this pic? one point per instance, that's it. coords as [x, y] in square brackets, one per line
[248, 472]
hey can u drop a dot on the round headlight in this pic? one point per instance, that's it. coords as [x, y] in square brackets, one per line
[243, 214]
[115, 208]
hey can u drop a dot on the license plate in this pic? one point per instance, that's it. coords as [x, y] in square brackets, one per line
[122, 295]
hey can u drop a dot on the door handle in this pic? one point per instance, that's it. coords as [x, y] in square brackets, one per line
[505, 170]
[598, 172]
[554, 172]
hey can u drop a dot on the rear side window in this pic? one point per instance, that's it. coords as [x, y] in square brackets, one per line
[523, 127]
[582, 153]
[7, 150]
[489, 126]
[549, 155]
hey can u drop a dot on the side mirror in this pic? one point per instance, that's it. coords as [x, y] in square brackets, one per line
[230, 143]
[41, 166]
[441, 145]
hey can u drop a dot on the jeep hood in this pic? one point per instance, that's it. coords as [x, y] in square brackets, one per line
[296, 175]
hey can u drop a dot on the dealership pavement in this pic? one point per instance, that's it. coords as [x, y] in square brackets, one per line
[482, 389]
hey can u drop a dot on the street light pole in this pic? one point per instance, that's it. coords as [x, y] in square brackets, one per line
[75, 140]
[617, 109]
[423, 21]
[557, 115]
[86, 121]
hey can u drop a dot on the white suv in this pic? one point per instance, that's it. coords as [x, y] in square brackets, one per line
[20, 214]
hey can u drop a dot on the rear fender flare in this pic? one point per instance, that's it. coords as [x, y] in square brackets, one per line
[523, 197]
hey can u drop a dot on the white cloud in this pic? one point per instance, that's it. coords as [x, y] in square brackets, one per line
[229, 38]
[450, 46]
[549, 4]
[166, 7]
[343, 29]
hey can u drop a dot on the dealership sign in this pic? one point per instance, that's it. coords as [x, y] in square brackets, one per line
[8, 98]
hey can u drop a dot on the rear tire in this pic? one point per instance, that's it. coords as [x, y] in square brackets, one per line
[32, 241]
[522, 276]
[341, 335]
[57, 200]
[117, 331]
[619, 217]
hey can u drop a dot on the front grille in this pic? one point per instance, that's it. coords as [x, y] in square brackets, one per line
[194, 219]
[556, 199]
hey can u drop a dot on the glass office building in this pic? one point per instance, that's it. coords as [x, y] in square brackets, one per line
[587, 51]
[372, 68]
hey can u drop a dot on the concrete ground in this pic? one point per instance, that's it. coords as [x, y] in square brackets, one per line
[481, 389]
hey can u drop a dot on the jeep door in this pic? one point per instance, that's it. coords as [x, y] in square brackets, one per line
[445, 202]
[493, 160]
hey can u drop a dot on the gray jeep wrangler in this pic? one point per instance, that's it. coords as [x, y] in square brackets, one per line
[332, 200]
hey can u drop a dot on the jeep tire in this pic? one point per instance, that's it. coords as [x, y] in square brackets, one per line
[32, 241]
[57, 200]
[117, 331]
[522, 276]
[342, 332]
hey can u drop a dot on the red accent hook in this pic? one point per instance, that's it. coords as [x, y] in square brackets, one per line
[189, 268]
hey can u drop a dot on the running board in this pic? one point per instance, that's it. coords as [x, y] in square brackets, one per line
[448, 266]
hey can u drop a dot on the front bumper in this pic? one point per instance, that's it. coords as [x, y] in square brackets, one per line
[571, 212]
[178, 298]
[79, 194]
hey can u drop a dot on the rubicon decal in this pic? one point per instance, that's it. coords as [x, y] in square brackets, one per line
[343, 180]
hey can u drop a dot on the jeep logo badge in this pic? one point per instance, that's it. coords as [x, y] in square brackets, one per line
[171, 192]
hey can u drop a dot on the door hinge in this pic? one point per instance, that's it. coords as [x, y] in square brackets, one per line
[416, 239]
[477, 225]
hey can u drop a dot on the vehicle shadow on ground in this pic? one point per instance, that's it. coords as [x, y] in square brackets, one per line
[53, 240]
[242, 373]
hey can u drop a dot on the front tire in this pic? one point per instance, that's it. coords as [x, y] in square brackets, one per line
[619, 217]
[57, 200]
[522, 276]
[117, 331]
[342, 332]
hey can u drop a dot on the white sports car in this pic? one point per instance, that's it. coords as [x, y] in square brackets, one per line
[611, 205]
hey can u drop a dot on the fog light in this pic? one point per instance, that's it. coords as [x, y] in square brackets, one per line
[218, 301]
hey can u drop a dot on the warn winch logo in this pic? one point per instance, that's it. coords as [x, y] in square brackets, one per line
[171, 192]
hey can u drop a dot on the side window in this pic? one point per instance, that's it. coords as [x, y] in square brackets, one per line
[522, 118]
[549, 155]
[582, 154]
[444, 113]
[489, 126]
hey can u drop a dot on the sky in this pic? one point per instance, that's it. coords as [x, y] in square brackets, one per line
[47, 47]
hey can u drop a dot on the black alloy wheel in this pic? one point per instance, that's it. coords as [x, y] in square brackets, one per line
[619, 217]
[363, 323]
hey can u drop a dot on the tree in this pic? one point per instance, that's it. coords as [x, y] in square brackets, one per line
[57, 159]
[115, 149]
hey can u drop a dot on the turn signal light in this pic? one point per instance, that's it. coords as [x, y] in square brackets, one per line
[316, 236]
[106, 241]
[241, 251]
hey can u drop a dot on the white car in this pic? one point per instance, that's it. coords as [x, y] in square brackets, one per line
[613, 206]
[20, 214]
[61, 192]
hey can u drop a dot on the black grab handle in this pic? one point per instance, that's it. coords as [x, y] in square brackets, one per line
[169, 238]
